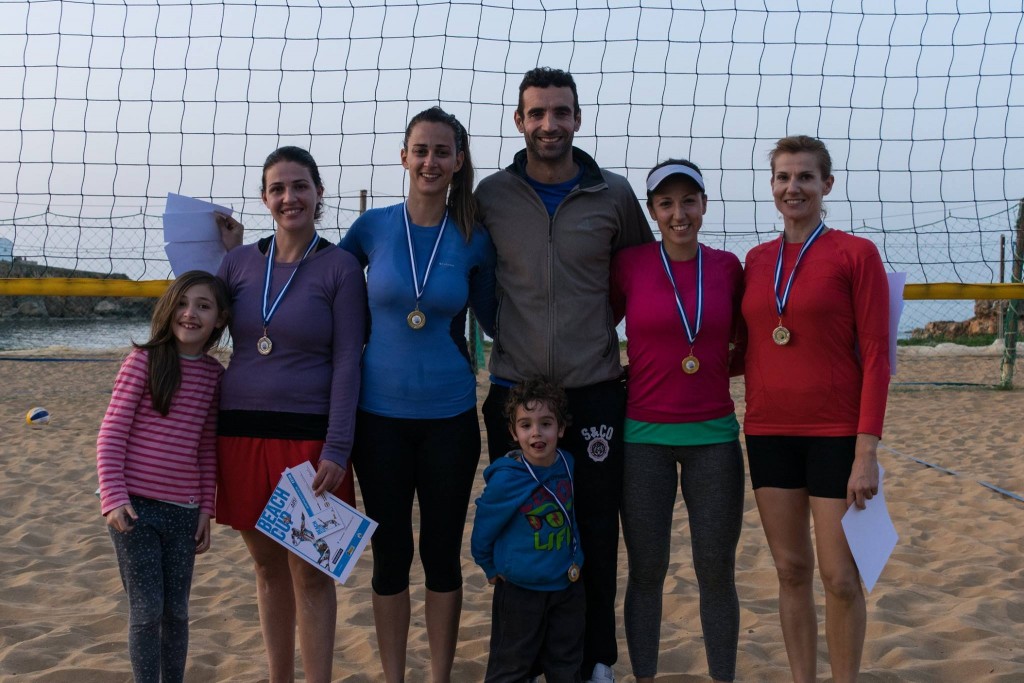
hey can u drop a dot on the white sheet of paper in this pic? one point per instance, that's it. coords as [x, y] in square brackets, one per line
[196, 226]
[871, 535]
[185, 256]
[191, 234]
[179, 203]
[896, 282]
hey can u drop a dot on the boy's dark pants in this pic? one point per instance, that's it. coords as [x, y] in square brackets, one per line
[529, 626]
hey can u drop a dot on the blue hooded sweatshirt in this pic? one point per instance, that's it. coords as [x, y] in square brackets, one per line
[520, 531]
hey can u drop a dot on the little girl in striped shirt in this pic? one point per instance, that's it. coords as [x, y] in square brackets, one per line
[157, 465]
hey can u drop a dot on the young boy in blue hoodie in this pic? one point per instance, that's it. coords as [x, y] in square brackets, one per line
[526, 541]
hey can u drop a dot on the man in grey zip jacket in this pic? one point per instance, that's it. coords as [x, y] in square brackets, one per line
[556, 219]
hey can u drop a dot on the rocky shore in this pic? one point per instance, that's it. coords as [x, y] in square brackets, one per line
[987, 320]
[68, 306]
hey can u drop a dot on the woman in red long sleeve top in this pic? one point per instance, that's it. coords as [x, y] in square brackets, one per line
[817, 374]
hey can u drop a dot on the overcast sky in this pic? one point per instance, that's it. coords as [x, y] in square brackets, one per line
[106, 107]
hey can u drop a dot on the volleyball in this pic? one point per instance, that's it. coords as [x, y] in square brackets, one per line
[37, 417]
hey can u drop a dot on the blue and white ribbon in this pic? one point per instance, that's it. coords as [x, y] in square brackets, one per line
[782, 299]
[691, 332]
[412, 255]
[268, 314]
[569, 519]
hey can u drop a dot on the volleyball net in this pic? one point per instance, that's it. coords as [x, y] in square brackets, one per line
[108, 106]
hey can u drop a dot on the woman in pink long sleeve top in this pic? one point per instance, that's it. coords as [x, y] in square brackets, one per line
[681, 301]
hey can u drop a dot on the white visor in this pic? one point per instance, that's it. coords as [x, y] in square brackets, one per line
[659, 175]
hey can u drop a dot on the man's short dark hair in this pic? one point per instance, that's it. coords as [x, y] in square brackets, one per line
[546, 77]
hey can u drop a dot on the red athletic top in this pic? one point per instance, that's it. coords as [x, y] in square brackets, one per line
[659, 390]
[832, 378]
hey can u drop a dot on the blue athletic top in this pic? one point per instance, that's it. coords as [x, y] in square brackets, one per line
[424, 373]
[552, 194]
[520, 531]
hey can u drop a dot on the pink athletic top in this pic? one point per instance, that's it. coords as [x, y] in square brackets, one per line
[142, 453]
[659, 390]
[832, 378]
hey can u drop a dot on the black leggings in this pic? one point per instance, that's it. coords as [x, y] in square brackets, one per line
[434, 461]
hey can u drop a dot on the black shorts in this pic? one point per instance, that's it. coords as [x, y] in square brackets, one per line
[820, 464]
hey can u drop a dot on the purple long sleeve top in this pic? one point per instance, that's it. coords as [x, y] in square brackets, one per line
[317, 333]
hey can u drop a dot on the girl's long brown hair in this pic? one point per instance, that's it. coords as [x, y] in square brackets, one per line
[164, 366]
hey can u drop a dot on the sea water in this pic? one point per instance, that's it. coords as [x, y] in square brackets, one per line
[93, 335]
[87, 334]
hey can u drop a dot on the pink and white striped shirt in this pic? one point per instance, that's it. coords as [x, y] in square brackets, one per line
[143, 453]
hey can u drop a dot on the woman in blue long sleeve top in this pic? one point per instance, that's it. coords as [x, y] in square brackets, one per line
[417, 434]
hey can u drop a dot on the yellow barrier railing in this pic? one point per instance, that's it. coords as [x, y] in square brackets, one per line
[955, 290]
[80, 286]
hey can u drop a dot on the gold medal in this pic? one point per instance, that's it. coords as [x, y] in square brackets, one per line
[417, 319]
[569, 518]
[691, 364]
[781, 336]
[264, 345]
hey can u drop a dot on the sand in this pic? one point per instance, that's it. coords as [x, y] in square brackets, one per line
[948, 607]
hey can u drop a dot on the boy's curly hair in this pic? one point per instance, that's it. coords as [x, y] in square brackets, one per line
[538, 390]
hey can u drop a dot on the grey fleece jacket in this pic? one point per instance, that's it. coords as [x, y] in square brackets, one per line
[554, 317]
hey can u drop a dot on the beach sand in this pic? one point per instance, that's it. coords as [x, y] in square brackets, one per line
[948, 606]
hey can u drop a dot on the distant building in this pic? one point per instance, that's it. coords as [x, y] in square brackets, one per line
[6, 250]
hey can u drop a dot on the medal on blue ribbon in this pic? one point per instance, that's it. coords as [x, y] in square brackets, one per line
[690, 363]
[263, 345]
[417, 319]
[573, 572]
[781, 334]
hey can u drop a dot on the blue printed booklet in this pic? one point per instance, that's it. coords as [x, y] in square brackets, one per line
[323, 530]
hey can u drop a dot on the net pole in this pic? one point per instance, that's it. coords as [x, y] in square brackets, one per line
[1002, 278]
[1010, 323]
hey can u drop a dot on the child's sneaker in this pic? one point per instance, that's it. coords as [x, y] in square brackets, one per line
[602, 674]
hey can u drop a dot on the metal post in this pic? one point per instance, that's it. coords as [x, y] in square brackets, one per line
[1002, 259]
[1010, 323]
[1001, 307]
[362, 202]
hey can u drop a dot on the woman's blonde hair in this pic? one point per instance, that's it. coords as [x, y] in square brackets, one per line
[794, 144]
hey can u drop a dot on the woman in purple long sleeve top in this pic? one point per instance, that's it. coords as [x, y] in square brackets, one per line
[289, 395]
